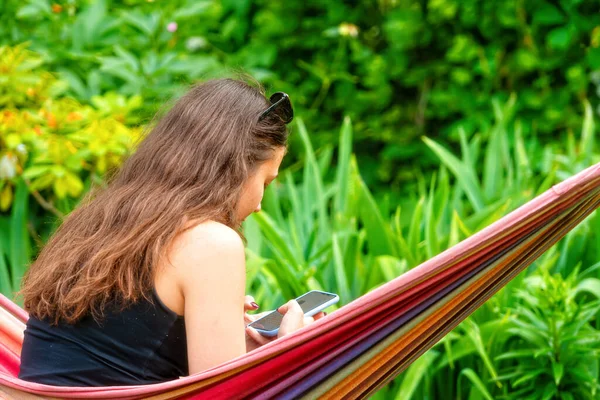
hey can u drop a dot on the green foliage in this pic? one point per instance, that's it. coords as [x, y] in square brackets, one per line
[552, 347]
[329, 234]
[102, 46]
[52, 149]
[399, 69]
[323, 229]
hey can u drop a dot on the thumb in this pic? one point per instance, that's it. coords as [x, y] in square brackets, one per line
[291, 306]
[293, 318]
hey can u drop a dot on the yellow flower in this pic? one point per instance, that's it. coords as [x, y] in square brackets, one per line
[347, 29]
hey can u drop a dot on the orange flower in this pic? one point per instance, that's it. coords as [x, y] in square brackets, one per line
[56, 8]
[8, 117]
[74, 116]
[38, 130]
[51, 120]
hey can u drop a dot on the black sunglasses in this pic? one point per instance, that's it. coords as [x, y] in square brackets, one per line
[281, 102]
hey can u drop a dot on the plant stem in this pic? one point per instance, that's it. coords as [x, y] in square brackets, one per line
[46, 205]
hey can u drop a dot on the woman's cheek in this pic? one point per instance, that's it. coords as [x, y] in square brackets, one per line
[258, 207]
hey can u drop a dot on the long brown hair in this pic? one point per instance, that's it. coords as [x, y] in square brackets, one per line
[191, 166]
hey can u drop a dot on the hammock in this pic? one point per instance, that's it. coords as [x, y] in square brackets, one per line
[362, 346]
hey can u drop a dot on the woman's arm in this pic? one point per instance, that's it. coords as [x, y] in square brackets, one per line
[211, 274]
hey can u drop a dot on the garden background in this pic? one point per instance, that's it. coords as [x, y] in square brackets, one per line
[418, 123]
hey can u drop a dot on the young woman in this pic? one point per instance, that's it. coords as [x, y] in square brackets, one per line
[144, 282]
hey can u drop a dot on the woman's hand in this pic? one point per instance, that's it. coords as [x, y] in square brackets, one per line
[293, 319]
[250, 305]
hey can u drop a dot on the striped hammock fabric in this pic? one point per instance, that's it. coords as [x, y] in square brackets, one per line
[359, 348]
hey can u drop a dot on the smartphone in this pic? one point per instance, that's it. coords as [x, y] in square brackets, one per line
[311, 303]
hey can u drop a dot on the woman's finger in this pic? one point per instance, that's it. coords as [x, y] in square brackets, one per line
[293, 318]
[308, 320]
[249, 303]
[319, 315]
[291, 305]
[257, 337]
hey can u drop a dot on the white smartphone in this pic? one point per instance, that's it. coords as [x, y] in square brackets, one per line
[311, 303]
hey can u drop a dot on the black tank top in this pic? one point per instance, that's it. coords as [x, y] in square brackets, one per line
[143, 344]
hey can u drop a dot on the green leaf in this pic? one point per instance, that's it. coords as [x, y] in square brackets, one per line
[275, 237]
[431, 234]
[560, 38]
[20, 247]
[60, 187]
[34, 10]
[593, 57]
[42, 182]
[193, 9]
[476, 381]
[147, 24]
[5, 281]
[313, 184]
[465, 175]
[526, 353]
[75, 83]
[391, 267]
[548, 14]
[73, 184]
[128, 57]
[549, 392]
[474, 333]
[89, 26]
[531, 375]
[343, 168]
[379, 235]
[526, 60]
[35, 171]
[415, 374]
[414, 230]
[558, 371]
[588, 132]
[340, 272]
[589, 285]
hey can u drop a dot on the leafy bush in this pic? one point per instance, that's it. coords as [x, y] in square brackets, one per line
[51, 149]
[399, 69]
[553, 346]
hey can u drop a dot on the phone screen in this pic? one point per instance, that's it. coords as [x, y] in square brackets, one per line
[307, 302]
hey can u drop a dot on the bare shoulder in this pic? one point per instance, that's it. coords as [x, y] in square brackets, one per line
[209, 237]
[198, 250]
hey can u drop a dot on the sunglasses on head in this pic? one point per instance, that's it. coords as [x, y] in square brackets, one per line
[280, 103]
